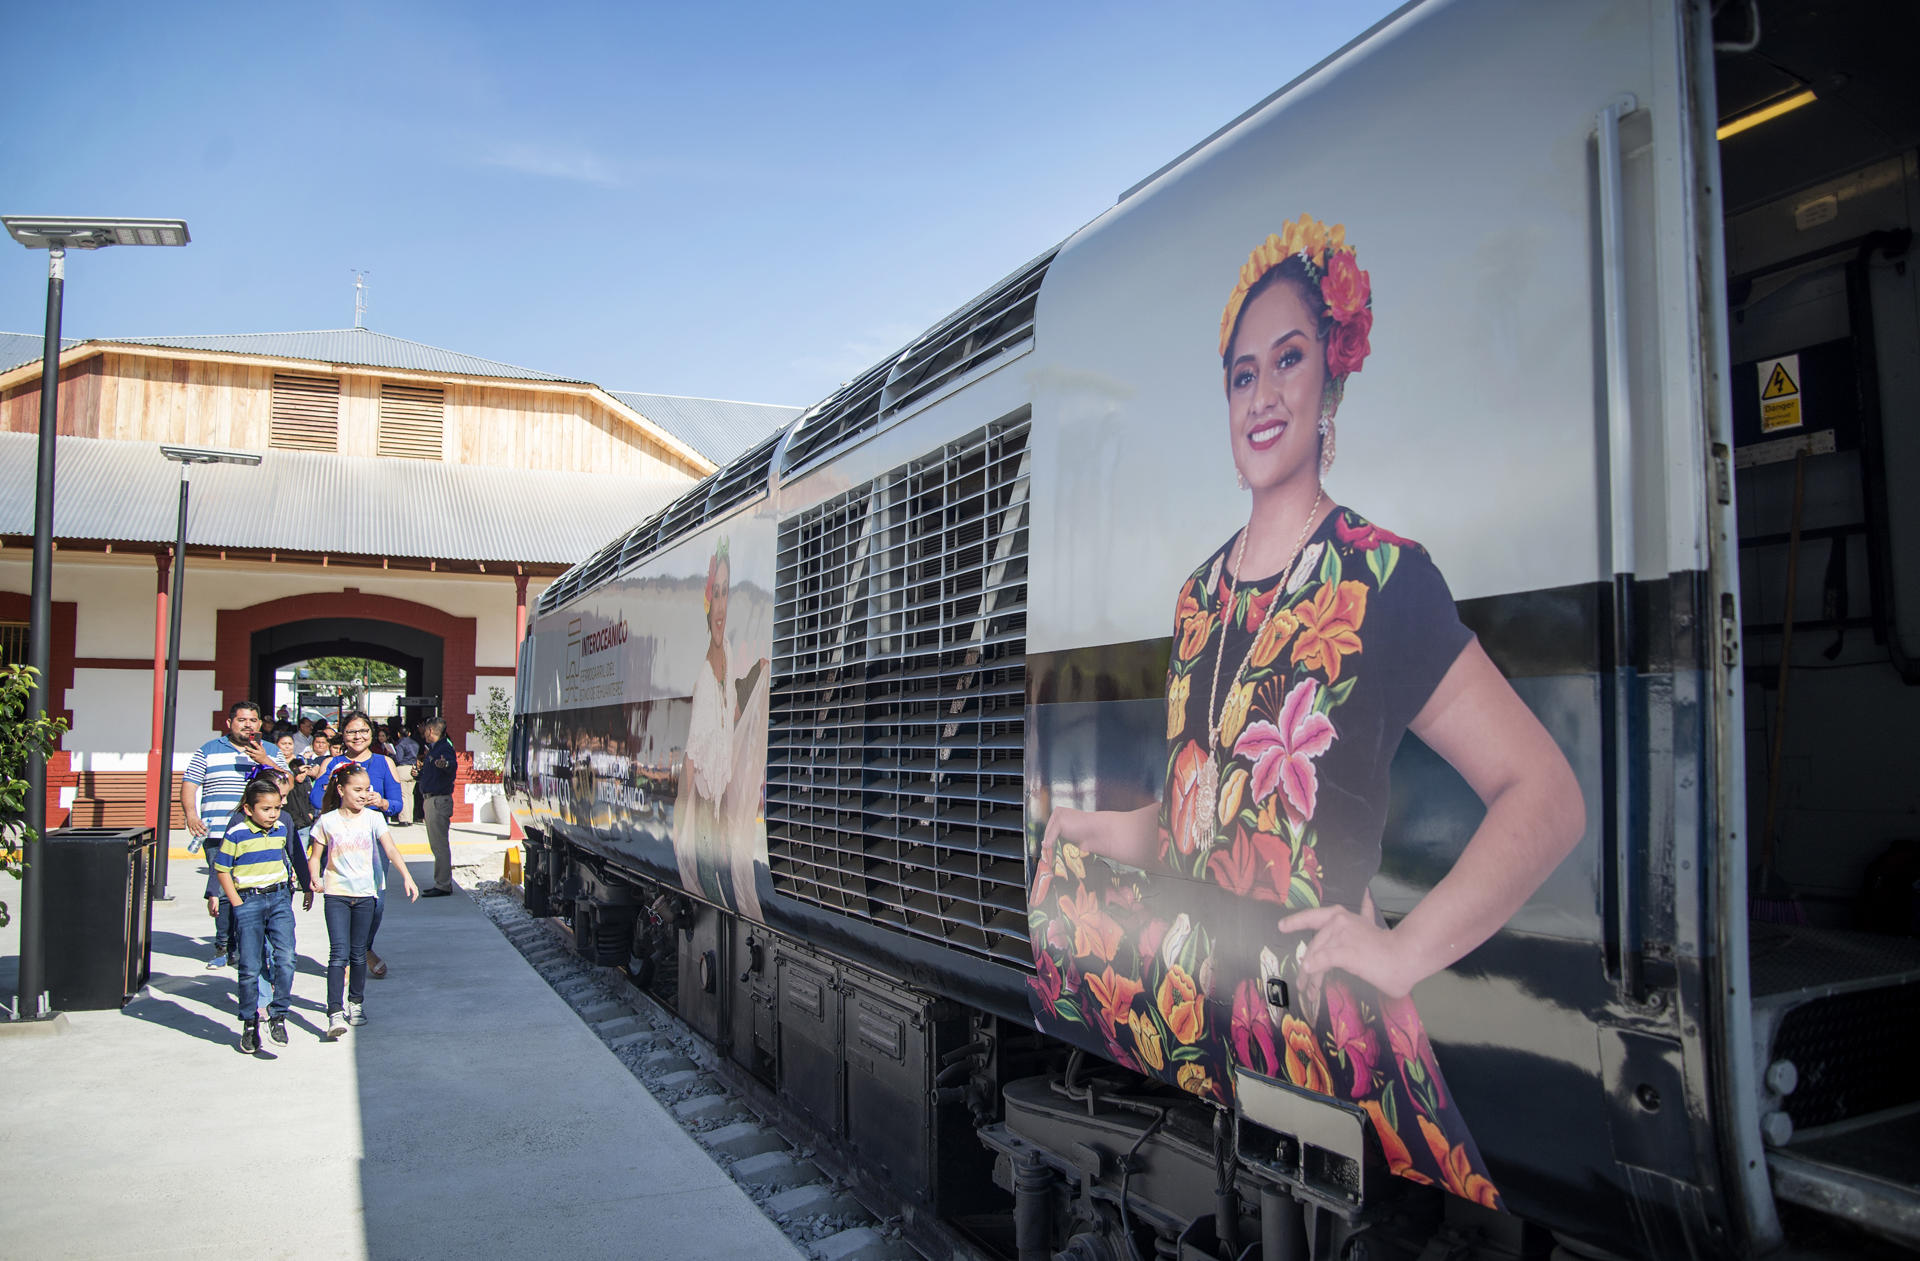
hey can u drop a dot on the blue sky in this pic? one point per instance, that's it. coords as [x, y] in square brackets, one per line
[744, 201]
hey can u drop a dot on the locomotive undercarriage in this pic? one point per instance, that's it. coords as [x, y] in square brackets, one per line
[984, 1139]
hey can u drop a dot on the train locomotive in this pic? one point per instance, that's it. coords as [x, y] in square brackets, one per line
[942, 763]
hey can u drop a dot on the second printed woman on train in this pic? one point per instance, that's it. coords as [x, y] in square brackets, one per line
[718, 839]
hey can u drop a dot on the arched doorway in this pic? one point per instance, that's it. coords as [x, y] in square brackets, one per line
[416, 653]
[433, 646]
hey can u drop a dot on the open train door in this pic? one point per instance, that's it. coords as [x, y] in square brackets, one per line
[1817, 439]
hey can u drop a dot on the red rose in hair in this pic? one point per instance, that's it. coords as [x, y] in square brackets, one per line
[1347, 346]
[1345, 287]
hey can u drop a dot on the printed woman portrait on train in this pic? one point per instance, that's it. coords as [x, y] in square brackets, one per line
[1231, 925]
[717, 834]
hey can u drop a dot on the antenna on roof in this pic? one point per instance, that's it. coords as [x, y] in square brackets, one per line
[360, 275]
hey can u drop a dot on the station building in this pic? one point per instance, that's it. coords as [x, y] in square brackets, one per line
[409, 503]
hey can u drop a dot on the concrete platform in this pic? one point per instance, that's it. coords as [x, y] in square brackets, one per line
[474, 1115]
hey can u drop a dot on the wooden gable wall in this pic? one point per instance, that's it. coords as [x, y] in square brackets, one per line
[225, 402]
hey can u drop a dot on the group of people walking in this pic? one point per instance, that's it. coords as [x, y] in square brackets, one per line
[276, 822]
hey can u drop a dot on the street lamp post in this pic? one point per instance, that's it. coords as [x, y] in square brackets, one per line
[56, 236]
[186, 458]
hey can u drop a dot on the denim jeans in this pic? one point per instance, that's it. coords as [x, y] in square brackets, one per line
[224, 941]
[263, 929]
[349, 923]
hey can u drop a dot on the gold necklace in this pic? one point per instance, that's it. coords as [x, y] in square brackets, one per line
[1200, 836]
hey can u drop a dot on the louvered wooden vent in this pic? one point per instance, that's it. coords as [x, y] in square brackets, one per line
[412, 420]
[305, 414]
[898, 705]
[13, 643]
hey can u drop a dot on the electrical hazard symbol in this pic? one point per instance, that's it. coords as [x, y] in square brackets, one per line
[1780, 394]
[1779, 384]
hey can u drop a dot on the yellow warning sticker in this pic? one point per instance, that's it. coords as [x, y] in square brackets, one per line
[1780, 394]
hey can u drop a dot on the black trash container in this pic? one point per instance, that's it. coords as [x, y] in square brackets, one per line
[97, 927]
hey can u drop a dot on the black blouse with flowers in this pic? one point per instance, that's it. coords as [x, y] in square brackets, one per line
[1363, 633]
[1169, 971]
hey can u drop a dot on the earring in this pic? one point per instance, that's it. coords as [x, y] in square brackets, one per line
[1326, 444]
[1244, 483]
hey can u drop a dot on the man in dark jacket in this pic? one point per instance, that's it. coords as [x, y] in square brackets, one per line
[438, 761]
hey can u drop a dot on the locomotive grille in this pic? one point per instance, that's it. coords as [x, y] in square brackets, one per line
[894, 758]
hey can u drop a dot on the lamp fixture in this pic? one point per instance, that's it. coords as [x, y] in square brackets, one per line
[1765, 114]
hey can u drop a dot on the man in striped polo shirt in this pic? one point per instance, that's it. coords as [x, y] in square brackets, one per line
[256, 883]
[210, 790]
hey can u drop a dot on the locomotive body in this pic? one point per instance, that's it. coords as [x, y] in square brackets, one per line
[788, 751]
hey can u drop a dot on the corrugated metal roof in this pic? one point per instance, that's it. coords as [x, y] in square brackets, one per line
[307, 501]
[19, 348]
[358, 346]
[716, 428]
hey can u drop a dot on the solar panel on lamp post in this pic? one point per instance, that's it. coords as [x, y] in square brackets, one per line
[56, 235]
[186, 458]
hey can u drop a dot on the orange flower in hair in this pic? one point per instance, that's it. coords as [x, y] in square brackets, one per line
[1330, 264]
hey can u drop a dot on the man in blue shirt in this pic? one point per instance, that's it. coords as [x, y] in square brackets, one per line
[438, 762]
[215, 778]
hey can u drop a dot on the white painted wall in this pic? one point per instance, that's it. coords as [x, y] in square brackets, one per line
[112, 708]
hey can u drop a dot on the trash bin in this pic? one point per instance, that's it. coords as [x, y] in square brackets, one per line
[97, 925]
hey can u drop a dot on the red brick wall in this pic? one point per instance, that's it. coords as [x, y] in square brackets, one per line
[233, 653]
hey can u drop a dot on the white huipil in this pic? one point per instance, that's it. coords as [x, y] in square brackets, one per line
[716, 828]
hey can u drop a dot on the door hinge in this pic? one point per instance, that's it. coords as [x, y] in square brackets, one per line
[1729, 631]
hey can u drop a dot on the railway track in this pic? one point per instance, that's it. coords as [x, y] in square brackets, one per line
[788, 1172]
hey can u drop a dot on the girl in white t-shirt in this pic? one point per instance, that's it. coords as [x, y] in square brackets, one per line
[341, 855]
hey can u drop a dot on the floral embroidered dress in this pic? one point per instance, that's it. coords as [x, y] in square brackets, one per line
[1169, 969]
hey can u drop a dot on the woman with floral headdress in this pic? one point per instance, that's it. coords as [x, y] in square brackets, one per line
[717, 810]
[1304, 647]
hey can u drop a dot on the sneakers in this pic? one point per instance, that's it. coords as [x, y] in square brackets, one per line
[336, 1025]
[277, 1030]
[250, 1037]
[219, 960]
[356, 1014]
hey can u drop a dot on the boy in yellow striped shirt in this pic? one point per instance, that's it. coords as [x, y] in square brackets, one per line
[257, 882]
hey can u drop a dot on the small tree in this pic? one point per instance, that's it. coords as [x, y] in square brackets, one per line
[21, 736]
[496, 730]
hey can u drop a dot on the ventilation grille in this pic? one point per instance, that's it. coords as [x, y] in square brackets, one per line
[412, 420]
[980, 333]
[894, 760]
[714, 497]
[741, 480]
[850, 412]
[305, 413]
